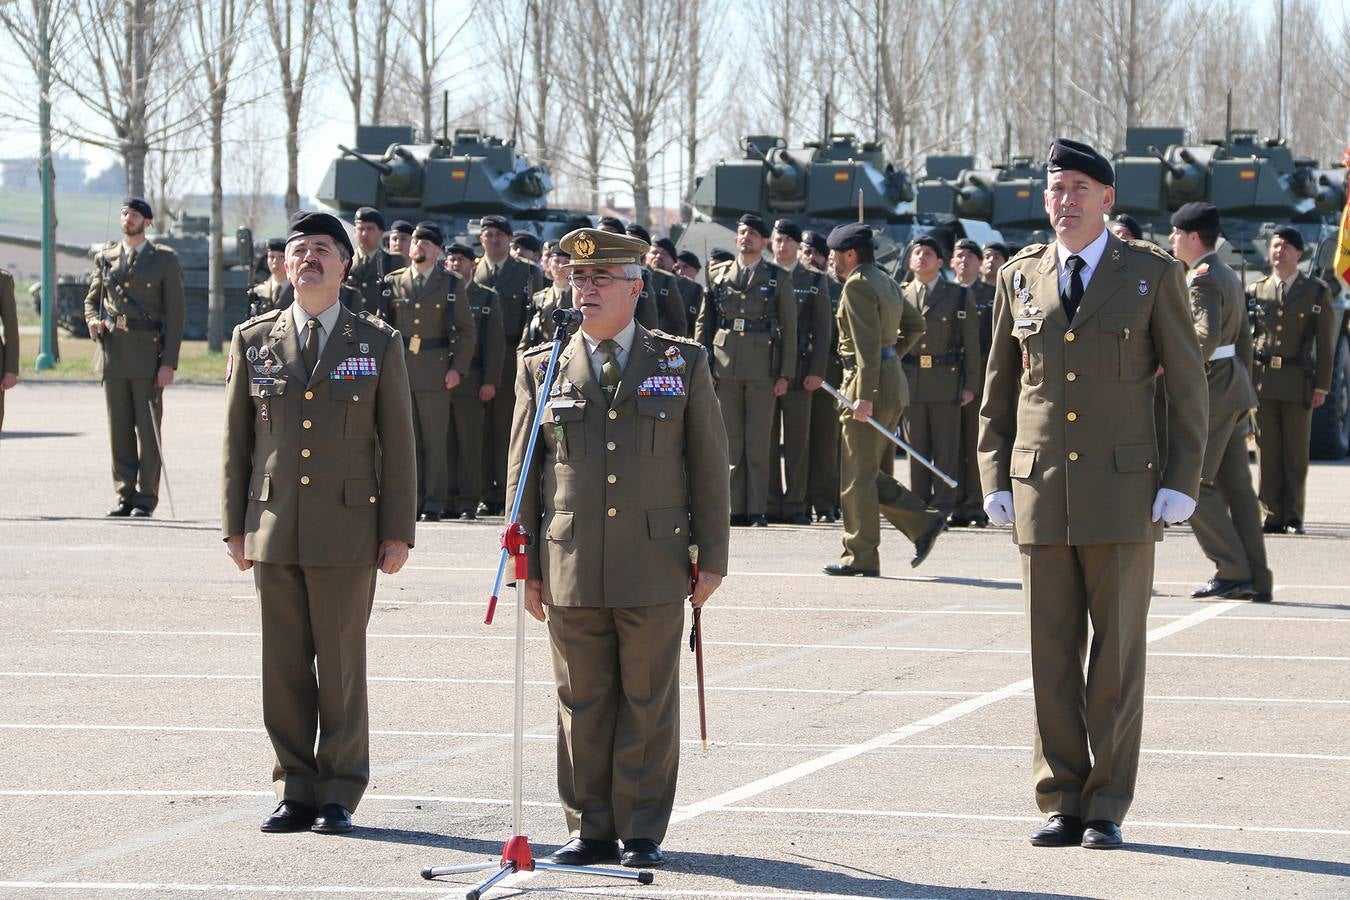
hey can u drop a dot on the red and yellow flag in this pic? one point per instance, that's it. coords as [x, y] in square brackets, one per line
[1341, 262]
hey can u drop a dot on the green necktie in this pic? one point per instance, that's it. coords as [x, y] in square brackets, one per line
[609, 369]
[311, 348]
[417, 284]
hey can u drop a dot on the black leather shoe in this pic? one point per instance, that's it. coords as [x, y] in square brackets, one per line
[760, 521]
[799, 519]
[333, 819]
[140, 512]
[429, 517]
[958, 522]
[287, 817]
[828, 517]
[924, 545]
[468, 515]
[1060, 831]
[1223, 587]
[641, 853]
[1259, 596]
[739, 520]
[1296, 526]
[584, 852]
[1270, 526]
[120, 511]
[1100, 834]
[841, 569]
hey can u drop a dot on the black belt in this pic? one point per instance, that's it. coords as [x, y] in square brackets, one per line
[138, 324]
[887, 352]
[745, 324]
[428, 343]
[1277, 362]
[928, 360]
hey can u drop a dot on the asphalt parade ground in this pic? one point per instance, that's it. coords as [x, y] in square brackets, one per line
[869, 738]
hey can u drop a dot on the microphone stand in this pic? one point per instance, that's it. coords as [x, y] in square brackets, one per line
[516, 854]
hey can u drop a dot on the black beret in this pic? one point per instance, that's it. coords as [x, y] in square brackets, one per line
[637, 231]
[788, 228]
[967, 244]
[458, 249]
[1291, 235]
[610, 223]
[305, 223]
[428, 231]
[852, 236]
[667, 245]
[494, 221]
[370, 214]
[720, 254]
[278, 244]
[1195, 216]
[816, 241]
[402, 226]
[689, 259]
[1131, 224]
[927, 240]
[998, 247]
[553, 248]
[575, 222]
[754, 221]
[140, 206]
[1075, 156]
[528, 240]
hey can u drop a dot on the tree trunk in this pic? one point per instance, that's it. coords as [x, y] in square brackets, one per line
[642, 204]
[215, 279]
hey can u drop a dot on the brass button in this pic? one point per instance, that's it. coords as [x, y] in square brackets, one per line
[1279, 328]
[613, 512]
[923, 345]
[417, 306]
[1070, 376]
[661, 414]
[613, 413]
[1148, 465]
[610, 446]
[307, 424]
[304, 479]
[355, 397]
[1072, 417]
[678, 529]
[612, 479]
[1070, 337]
[417, 321]
[305, 453]
[1073, 456]
[372, 499]
[309, 395]
[1279, 312]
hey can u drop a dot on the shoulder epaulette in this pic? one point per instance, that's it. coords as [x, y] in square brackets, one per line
[1029, 250]
[720, 265]
[677, 338]
[375, 322]
[162, 248]
[1150, 248]
[395, 273]
[260, 318]
[545, 347]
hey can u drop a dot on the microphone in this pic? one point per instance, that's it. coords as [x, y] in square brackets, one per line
[570, 316]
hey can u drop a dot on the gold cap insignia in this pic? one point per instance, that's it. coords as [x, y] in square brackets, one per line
[584, 247]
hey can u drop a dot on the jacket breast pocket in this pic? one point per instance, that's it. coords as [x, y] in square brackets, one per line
[358, 405]
[660, 425]
[1126, 348]
[269, 407]
[1031, 339]
[563, 428]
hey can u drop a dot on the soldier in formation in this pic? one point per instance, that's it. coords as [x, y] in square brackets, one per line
[9, 340]
[661, 260]
[134, 310]
[557, 295]
[822, 482]
[371, 265]
[400, 239]
[275, 292]
[967, 264]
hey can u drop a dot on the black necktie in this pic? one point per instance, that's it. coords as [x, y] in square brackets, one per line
[311, 348]
[1075, 293]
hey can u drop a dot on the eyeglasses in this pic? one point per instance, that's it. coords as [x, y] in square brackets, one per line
[599, 279]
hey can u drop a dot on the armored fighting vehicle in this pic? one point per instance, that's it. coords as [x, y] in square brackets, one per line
[818, 185]
[450, 181]
[1008, 196]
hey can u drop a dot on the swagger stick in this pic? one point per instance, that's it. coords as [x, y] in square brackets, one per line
[894, 438]
[696, 644]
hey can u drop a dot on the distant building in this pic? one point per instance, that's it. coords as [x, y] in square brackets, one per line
[21, 174]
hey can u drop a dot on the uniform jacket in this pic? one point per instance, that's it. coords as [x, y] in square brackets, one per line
[490, 349]
[542, 306]
[815, 321]
[318, 471]
[1221, 320]
[439, 316]
[1067, 422]
[615, 496]
[953, 326]
[765, 307]
[663, 290]
[266, 296]
[515, 283]
[1299, 331]
[9, 326]
[692, 292]
[366, 278]
[873, 314]
[143, 309]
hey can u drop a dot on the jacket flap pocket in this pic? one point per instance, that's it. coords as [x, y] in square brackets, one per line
[560, 526]
[358, 390]
[1135, 457]
[260, 486]
[665, 408]
[667, 523]
[1023, 463]
[572, 412]
[360, 492]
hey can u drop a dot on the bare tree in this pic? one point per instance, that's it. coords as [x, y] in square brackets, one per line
[430, 44]
[782, 39]
[580, 83]
[363, 57]
[293, 31]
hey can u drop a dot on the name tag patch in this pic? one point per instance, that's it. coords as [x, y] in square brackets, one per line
[354, 367]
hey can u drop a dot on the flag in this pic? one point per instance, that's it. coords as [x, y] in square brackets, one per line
[1341, 261]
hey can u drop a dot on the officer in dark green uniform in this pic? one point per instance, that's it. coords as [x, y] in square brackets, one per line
[557, 295]
[372, 263]
[822, 489]
[275, 292]
[967, 260]
[399, 240]
[9, 339]
[663, 288]
[134, 309]
[662, 258]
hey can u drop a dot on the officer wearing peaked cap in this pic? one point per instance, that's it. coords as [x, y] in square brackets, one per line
[319, 490]
[1069, 458]
[631, 467]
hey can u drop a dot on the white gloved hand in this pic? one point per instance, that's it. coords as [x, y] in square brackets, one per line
[1172, 506]
[998, 506]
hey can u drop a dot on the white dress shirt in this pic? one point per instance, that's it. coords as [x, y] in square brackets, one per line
[1091, 256]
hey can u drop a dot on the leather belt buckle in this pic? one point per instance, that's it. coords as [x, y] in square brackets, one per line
[737, 324]
[1277, 362]
[120, 323]
[415, 344]
[925, 361]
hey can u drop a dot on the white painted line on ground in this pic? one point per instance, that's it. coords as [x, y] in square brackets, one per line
[951, 713]
[447, 889]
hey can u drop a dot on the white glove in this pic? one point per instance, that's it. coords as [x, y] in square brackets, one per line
[999, 507]
[1172, 506]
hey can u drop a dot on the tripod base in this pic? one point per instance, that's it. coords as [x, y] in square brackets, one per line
[516, 857]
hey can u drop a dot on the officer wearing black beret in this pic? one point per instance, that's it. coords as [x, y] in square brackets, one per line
[637, 231]
[822, 480]
[661, 260]
[371, 264]
[688, 264]
[527, 246]
[1127, 228]
[612, 224]
[275, 291]
[967, 262]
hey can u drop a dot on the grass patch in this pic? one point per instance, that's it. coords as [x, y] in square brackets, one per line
[196, 364]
